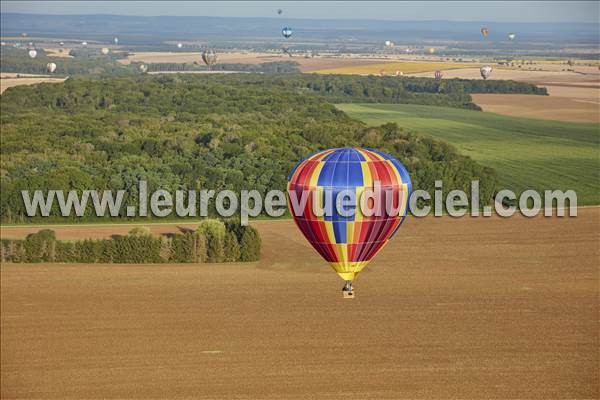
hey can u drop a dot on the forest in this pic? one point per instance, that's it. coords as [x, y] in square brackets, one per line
[193, 132]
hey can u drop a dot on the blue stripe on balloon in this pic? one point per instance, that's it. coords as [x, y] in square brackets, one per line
[339, 230]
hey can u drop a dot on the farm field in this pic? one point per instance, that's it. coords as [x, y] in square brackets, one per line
[305, 64]
[9, 80]
[553, 107]
[498, 309]
[526, 153]
[406, 67]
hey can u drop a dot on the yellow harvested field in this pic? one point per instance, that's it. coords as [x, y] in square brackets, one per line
[10, 80]
[467, 308]
[56, 52]
[407, 67]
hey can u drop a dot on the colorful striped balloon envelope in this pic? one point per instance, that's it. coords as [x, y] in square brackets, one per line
[348, 203]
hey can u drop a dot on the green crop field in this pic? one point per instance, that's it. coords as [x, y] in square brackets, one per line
[526, 153]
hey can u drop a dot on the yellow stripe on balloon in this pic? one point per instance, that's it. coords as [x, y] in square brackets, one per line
[314, 178]
[348, 271]
[343, 253]
[404, 199]
[367, 176]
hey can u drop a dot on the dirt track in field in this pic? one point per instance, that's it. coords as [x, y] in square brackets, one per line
[451, 308]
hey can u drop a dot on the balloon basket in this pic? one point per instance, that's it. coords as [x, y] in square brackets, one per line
[348, 294]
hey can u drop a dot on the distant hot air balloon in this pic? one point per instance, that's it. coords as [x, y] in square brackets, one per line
[61, 44]
[84, 44]
[30, 44]
[179, 45]
[279, 11]
[32, 53]
[51, 67]
[438, 74]
[349, 241]
[399, 73]
[431, 50]
[116, 40]
[104, 50]
[512, 36]
[286, 32]
[485, 31]
[209, 57]
[143, 68]
[485, 71]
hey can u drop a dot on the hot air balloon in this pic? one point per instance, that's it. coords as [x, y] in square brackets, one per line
[104, 50]
[84, 44]
[485, 31]
[116, 40]
[485, 71]
[143, 68]
[51, 67]
[348, 242]
[32, 53]
[61, 44]
[399, 73]
[209, 57]
[388, 43]
[286, 32]
[512, 36]
[279, 11]
[179, 45]
[431, 50]
[438, 74]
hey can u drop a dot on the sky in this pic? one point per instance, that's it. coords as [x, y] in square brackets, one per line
[492, 11]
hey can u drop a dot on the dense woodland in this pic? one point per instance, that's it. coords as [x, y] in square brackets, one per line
[191, 132]
[405, 90]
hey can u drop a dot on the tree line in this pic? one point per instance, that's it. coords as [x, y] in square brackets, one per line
[214, 241]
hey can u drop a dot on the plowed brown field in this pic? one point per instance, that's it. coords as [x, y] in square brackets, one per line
[451, 308]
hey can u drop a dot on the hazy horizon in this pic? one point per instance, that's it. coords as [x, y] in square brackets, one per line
[460, 11]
